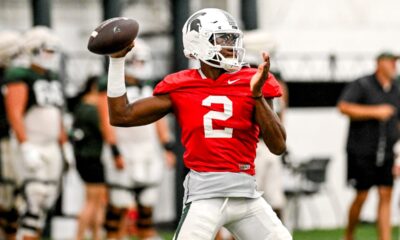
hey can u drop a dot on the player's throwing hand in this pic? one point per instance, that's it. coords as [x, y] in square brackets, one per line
[124, 51]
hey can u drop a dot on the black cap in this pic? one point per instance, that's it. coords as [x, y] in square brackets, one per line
[387, 55]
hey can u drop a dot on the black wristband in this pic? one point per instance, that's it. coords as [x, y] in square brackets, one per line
[114, 150]
[169, 146]
[257, 97]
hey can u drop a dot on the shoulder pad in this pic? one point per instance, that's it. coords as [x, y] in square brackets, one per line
[16, 74]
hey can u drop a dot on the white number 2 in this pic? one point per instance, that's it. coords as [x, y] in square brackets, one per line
[209, 132]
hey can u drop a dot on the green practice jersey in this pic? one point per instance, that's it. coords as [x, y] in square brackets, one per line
[44, 90]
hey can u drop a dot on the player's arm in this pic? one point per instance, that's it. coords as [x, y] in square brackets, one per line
[62, 136]
[273, 132]
[355, 111]
[107, 131]
[141, 112]
[166, 141]
[125, 114]
[16, 99]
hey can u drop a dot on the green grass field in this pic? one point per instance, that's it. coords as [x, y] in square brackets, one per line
[364, 232]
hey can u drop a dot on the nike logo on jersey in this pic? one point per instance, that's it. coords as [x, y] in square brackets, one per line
[233, 81]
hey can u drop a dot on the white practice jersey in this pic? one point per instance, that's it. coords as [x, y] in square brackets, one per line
[43, 124]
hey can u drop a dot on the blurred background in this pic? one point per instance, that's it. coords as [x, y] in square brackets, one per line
[317, 46]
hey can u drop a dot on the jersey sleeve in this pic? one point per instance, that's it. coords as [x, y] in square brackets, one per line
[15, 75]
[352, 93]
[175, 81]
[163, 87]
[272, 88]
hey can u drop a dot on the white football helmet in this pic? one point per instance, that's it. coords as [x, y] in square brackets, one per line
[10, 47]
[209, 31]
[43, 47]
[138, 62]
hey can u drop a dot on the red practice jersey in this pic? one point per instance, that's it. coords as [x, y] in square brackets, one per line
[217, 119]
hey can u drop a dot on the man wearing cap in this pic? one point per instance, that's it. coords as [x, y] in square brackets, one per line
[372, 104]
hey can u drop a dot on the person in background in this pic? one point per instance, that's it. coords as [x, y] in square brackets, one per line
[34, 100]
[221, 108]
[88, 144]
[10, 51]
[139, 146]
[372, 104]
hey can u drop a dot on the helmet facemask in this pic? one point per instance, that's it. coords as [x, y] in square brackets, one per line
[48, 59]
[228, 51]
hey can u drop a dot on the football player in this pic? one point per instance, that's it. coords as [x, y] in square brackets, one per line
[221, 108]
[33, 99]
[10, 49]
[143, 165]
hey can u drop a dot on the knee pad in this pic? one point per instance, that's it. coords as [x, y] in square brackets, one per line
[40, 196]
[35, 194]
[113, 218]
[51, 196]
[145, 217]
[146, 196]
[120, 198]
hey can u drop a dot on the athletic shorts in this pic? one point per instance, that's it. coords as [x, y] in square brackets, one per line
[362, 172]
[91, 170]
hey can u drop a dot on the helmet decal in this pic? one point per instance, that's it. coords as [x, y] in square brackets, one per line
[195, 24]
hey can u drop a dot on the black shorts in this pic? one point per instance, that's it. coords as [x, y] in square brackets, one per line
[90, 170]
[362, 172]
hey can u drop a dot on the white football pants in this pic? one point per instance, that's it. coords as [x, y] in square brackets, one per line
[245, 218]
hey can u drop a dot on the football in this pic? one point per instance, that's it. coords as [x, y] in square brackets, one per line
[113, 35]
